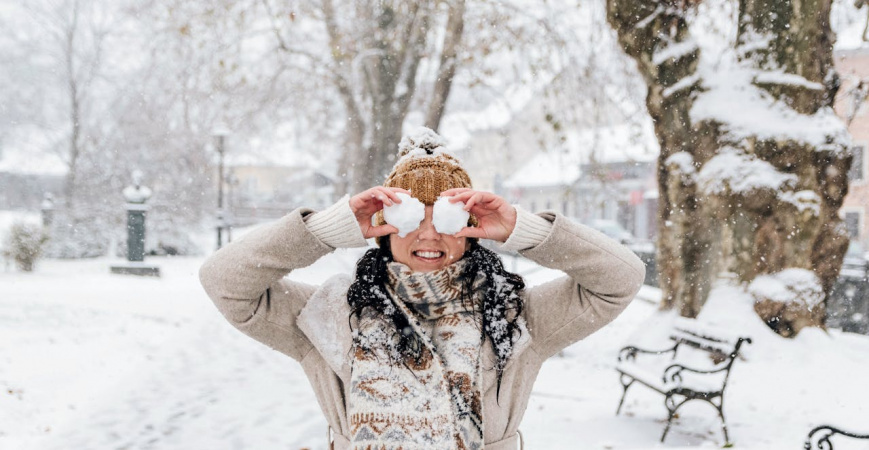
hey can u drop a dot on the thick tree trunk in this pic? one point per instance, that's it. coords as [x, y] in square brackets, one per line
[647, 29]
[392, 81]
[376, 81]
[710, 223]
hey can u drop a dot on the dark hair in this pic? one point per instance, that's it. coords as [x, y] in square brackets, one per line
[501, 300]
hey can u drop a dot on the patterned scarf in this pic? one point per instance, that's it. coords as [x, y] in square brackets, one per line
[431, 403]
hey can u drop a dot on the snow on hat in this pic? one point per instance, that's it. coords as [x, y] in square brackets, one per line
[426, 168]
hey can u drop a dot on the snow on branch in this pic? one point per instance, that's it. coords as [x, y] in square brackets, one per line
[753, 41]
[681, 85]
[648, 19]
[674, 52]
[683, 161]
[747, 111]
[739, 173]
[804, 200]
[800, 287]
[787, 79]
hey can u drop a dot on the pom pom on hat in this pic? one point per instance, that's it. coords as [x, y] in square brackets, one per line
[424, 142]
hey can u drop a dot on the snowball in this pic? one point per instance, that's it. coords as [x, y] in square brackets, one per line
[406, 215]
[449, 218]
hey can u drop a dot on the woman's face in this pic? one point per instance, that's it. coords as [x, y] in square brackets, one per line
[426, 250]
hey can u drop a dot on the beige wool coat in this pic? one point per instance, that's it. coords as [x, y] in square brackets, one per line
[310, 324]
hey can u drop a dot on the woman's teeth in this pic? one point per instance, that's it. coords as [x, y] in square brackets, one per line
[429, 255]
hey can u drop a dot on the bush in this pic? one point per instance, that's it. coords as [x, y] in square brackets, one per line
[25, 244]
[80, 237]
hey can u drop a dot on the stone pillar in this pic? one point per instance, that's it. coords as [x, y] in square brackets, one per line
[47, 208]
[136, 232]
[136, 195]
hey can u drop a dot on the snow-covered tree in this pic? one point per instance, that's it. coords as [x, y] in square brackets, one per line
[383, 60]
[753, 164]
[73, 34]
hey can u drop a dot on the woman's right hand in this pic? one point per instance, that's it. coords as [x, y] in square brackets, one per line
[366, 203]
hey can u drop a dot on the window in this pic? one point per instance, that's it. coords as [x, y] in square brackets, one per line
[858, 165]
[852, 223]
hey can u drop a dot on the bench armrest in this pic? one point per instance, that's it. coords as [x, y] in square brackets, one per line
[673, 373]
[630, 352]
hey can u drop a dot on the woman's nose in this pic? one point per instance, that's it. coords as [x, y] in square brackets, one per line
[427, 229]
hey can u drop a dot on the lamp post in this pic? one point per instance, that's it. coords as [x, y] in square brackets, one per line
[220, 133]
[231, 182]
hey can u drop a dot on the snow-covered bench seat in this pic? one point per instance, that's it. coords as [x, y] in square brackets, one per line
[696, 367]
[819, 437]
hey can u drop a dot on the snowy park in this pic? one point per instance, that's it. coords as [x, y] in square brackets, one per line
[662, 205]
[92, 360]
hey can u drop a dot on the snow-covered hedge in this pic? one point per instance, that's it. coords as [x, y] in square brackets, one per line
[24, 244]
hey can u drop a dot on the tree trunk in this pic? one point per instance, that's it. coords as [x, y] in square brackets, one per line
[448, 65]
[376, 82]
[712, 218]
[74, 110]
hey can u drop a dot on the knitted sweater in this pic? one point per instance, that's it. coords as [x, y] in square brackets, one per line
[245, 279]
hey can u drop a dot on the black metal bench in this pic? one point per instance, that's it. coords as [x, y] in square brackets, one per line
[819, 437]
[711, 356]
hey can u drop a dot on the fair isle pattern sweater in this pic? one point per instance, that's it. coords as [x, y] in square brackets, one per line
[433, 402]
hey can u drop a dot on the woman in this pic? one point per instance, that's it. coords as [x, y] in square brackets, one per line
[432, 345]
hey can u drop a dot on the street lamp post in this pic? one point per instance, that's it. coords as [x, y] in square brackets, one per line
[220, 134]
[231, 182]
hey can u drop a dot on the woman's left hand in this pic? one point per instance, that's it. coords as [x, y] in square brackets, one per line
[495, 217]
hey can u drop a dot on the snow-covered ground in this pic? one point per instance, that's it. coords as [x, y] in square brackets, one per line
[90, 360]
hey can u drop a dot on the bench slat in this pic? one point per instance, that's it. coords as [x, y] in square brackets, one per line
[707, 331]
[701, 343]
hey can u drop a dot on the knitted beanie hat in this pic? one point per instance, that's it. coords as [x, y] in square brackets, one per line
[426, 168]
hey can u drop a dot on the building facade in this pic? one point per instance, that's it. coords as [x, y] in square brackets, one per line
[851, 106]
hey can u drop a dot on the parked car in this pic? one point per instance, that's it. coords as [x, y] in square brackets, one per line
[855, 262]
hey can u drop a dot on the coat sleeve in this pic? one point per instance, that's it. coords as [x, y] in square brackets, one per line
[602, 278]
[245, 281]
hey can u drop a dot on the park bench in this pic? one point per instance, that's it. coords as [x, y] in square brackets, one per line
[697, 368]
[819, 437]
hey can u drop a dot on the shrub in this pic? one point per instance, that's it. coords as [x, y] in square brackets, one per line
[25, 244]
